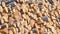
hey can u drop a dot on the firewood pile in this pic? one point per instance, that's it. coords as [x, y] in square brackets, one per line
[30, 17]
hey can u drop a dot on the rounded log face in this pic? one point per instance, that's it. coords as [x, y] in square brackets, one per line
[29, 16]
